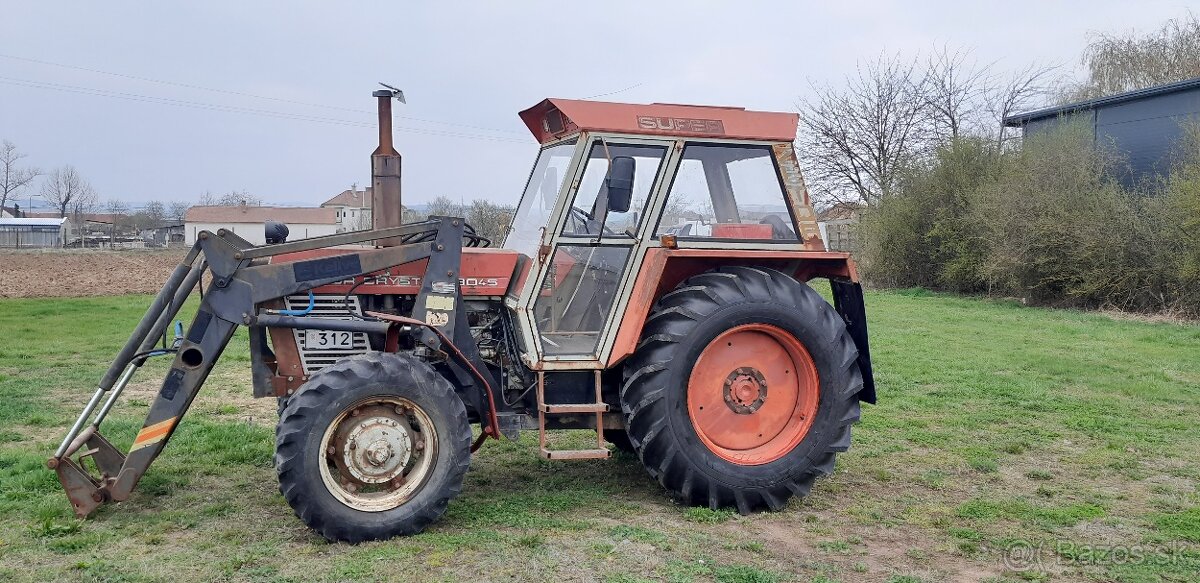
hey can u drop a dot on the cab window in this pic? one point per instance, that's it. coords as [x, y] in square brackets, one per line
[723, 191]
[586, 217]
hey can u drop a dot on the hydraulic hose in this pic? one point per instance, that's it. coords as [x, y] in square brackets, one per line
[312, 303]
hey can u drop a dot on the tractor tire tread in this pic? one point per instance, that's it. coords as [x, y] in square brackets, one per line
[316, 396]
[688, 473]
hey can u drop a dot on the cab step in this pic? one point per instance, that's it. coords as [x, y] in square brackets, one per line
[575, 408]
[599, 408]
[576, 454]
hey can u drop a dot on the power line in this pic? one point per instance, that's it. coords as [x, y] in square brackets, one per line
[251, 95]
[240, 109]
[635, 86]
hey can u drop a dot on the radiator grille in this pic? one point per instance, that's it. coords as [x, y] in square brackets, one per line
[331, 307]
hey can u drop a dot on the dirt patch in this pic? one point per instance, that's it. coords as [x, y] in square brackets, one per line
[84, 272]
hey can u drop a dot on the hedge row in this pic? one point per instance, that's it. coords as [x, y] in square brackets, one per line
[1049, 223]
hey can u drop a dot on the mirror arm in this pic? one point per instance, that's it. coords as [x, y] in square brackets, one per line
[600, 209]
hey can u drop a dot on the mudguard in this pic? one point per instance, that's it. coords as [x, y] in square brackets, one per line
[848, 300]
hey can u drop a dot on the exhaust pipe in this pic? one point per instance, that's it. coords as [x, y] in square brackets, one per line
[386, 210]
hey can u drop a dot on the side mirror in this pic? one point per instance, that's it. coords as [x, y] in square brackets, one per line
[620, 183]
[276, 232]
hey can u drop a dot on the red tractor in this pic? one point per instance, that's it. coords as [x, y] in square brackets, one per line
[652, 286]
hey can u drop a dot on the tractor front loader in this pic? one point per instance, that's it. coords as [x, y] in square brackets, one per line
[652, 287]
[242, 281]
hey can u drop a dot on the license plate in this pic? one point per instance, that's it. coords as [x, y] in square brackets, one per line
[327, 339]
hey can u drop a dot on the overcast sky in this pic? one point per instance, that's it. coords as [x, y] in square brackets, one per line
[467, 68]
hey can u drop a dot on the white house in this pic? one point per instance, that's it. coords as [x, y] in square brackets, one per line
[353, 208]
[247, 221]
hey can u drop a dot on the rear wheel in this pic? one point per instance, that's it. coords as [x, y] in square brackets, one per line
[371, 447]
[742, 390]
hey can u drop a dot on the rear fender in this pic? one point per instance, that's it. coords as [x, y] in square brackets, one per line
[664, 269]
[848, 300]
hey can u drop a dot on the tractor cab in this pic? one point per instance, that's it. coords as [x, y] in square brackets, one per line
[614, 181]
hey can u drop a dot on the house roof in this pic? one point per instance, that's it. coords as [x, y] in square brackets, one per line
[258, 214]
[1019, 119]
[106, 218]
[31, 222]
[555, 118]
[351, 198]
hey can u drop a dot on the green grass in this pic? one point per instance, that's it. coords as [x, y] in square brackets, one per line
[998, 425]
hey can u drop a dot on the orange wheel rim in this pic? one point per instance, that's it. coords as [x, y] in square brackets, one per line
[753, 394]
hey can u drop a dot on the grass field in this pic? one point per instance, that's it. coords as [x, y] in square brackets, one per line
[1010, 444]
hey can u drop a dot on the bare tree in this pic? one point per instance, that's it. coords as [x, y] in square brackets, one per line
[177, 210]
[117, 209]
[1016, 92]
[443, 206]
[1128, 61]
[67, 190]
[13, 177]
[952, 92]
[154, 213]
[231, 198]
[489, 219]
[856, 140]
[364, 220]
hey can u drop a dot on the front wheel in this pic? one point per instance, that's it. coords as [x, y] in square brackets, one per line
[372, 446]
[742, 390]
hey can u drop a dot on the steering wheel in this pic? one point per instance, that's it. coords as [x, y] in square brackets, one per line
[584, 219]
[582, 216]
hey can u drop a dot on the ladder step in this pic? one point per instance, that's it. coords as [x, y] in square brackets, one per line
[575, 408]
[575, 454]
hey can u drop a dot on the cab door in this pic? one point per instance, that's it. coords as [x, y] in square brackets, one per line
[579, 280]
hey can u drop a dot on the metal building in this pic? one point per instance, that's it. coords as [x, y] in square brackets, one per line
[1145, 126]
[31, 233]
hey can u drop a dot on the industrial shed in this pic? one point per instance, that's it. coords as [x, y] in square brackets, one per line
[26, 233]
[1145, 126]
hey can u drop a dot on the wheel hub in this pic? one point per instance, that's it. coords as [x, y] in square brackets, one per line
[378, 453]
[377, 449]
[728, 389]
[745, 390]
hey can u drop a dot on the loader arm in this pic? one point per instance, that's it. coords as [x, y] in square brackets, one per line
[242, 280]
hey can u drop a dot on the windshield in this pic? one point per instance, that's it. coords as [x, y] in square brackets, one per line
[525, 233]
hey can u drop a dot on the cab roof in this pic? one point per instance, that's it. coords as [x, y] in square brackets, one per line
[555, 118]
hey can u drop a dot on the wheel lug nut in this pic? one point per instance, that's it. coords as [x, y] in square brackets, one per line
[330, 450]
[353, 445]
[355, 413]
[420, 445]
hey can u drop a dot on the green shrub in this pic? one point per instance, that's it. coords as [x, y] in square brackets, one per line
[925, 236]
[1049, 223]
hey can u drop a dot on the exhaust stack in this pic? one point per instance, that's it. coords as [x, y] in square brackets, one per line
[386, 210]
